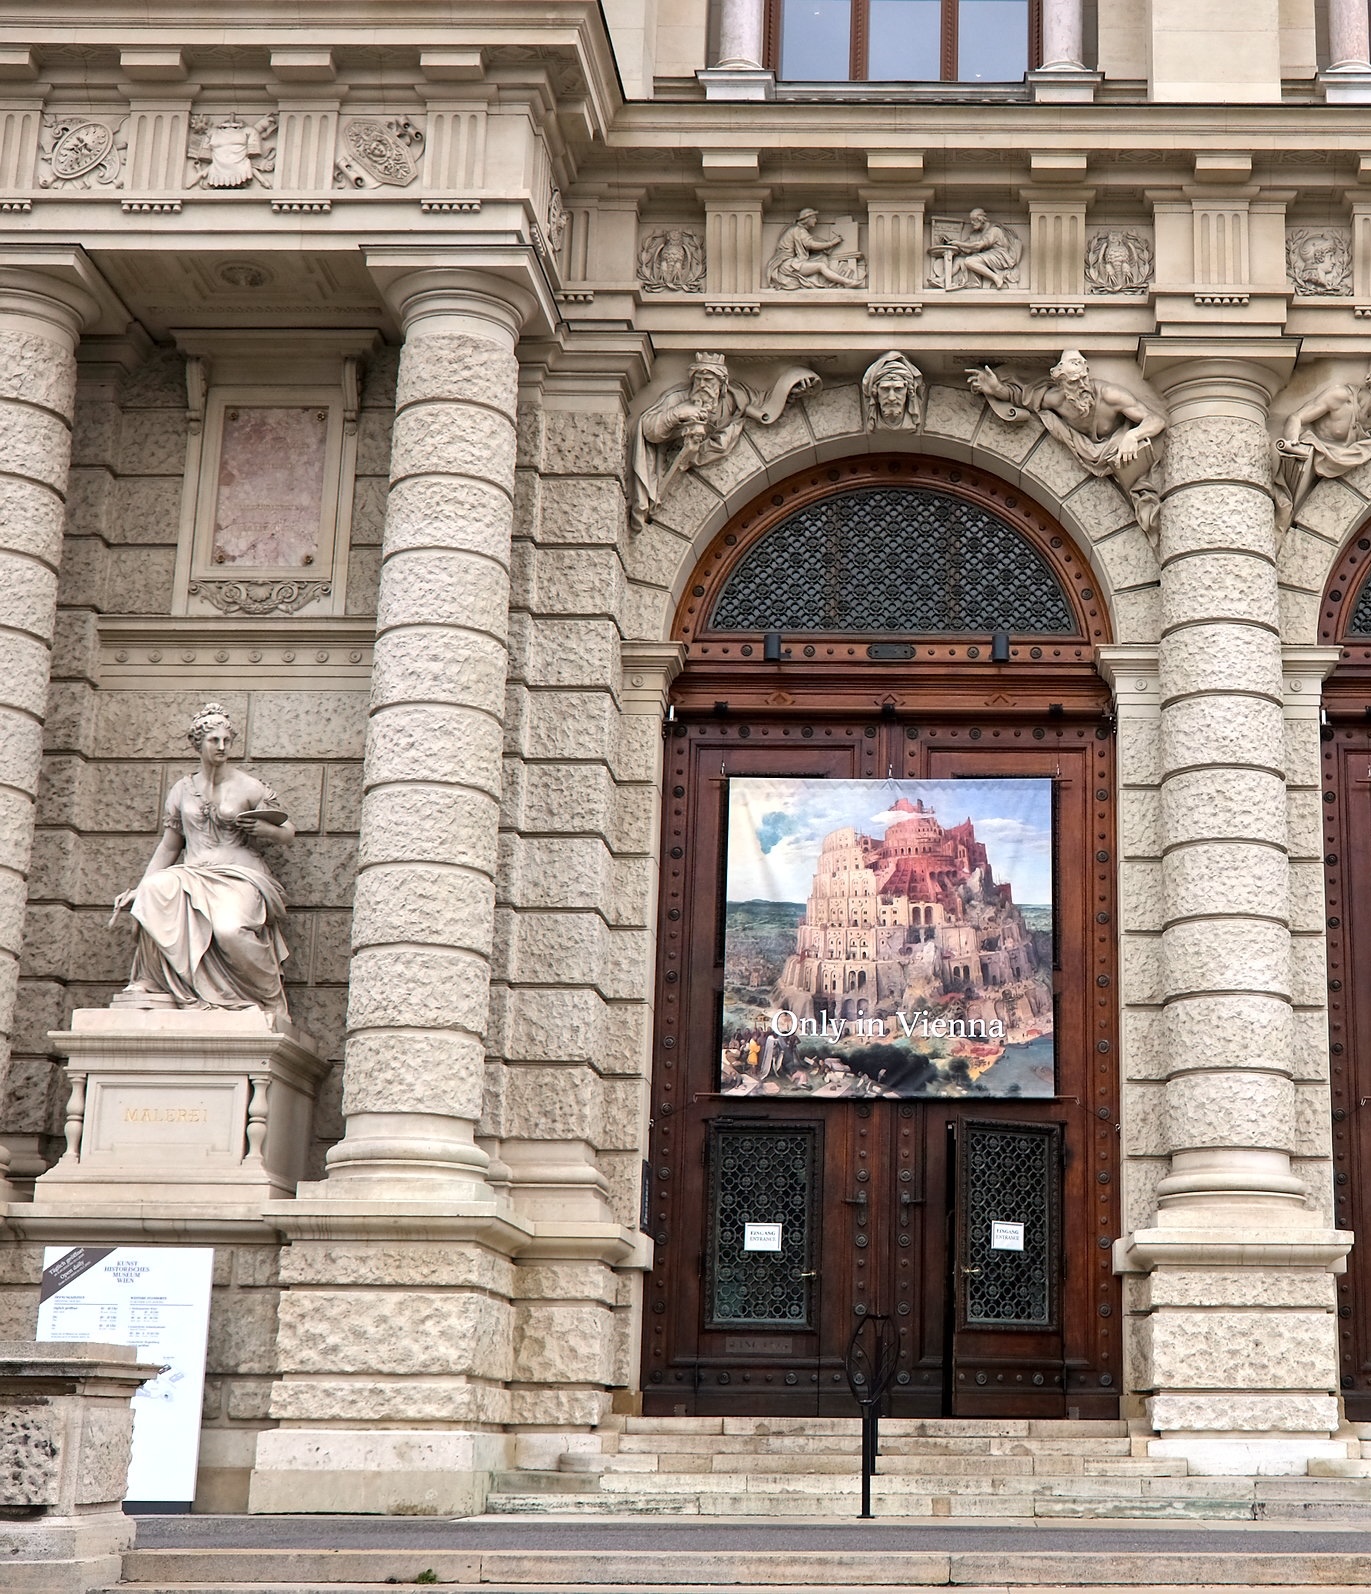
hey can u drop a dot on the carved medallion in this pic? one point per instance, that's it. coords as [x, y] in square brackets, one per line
[387, 151]
[81, 149]
[1319, 261]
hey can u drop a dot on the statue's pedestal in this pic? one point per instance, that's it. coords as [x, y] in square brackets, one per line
[185, 1109]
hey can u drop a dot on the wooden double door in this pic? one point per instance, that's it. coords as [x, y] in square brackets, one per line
[885, 1206]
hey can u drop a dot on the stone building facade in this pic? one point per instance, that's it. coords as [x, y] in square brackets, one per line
[496, 313]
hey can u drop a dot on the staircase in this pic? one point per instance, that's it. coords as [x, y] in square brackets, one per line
[934, 1468]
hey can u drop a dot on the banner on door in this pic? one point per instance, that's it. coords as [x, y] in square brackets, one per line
[888, 938]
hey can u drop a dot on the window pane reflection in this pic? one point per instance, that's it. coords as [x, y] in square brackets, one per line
[905, 40]
[992, 41]
[816, 40]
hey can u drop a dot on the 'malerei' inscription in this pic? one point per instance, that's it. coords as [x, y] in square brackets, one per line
[166, 1115]
[757, 1345]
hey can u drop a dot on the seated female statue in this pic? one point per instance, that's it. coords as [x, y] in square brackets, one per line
[209, 926]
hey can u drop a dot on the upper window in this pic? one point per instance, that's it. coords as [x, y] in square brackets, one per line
[903, 41]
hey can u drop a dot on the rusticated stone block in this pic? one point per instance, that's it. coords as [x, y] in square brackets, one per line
[1224, 804]
[316, 872]
[559, 797]
[449, 512]
[563, 724]
[586, 581]
[430, 988]
[556, 1024]
[1245, 1413]
[1217, 448]
[1220, 658]
[410, 741]
[566, 947]
[428, 823]
[1256, 1032]
[1331, 510]
[1140, 904]
[1217, 516]
[737, 472]
[30, 1454]
[582, 442]
[1236, 1351]
[952, 412]
[456, 368]
[1006, 444]
[1223, 729]
[414, 1401]
[1099, 508]
[442, 587]
[555, 1103]
[411, 1265]
[35, 445]
[1139, 750]
[1144, 1119]
[1228, 876]
[423, 905]
[1143, 1043]
[570, 1408]
[572, 653]
[1308, 969]
[1127, 560]
[32, 520]
[152, 442]
[578, 510]
[562, 1344]
[28, 592]
[413, 1071]
[395, 1332]
[691, 505]
[308, 724]
[452, 440]
[1313, 1123]
[154, 724]
[431, 665]
[363, 581]
[1224, 1109]
[1220, 586]
[559, 872]
[38, 371]
[1053, 467]
[1140, 817]
[1227, 955]
[788, 437]
[1304, 823]
[834, 412]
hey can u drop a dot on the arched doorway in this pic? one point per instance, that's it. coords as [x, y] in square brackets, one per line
[916, 634]
[1345, 620]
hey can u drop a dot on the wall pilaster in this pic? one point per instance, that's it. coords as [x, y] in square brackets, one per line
[41, 317]
[1235, 1227]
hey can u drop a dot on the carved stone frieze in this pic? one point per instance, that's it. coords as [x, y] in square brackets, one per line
[1118, 261]
[975, 253]
[893, 391]
[672, 261]
[378, 152]
[82, 151]
[227, 152]
[807, 258]
[1319, 261]
[245, 596]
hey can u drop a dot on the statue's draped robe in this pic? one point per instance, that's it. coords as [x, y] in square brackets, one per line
[210, 926]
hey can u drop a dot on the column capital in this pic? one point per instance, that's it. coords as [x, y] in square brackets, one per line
[1218, 376]
[55, 286]
[503, 288]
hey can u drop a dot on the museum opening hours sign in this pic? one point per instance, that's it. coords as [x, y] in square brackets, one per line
[157, 1299]
[888, 938]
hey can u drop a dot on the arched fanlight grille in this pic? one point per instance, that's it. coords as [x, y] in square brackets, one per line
[892, 558]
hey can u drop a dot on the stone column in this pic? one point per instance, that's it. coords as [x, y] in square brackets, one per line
[1349, 36]
[422, 915]
[1235, 1227]
[41, 318]
[739, 73]
[1063, 36]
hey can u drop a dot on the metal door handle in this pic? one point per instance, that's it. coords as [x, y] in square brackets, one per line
[858, 1200]
[971, 1270]
[906, 1201]
[805, 1275]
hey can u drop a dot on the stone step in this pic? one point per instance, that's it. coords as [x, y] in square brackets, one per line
[1335, 1467]
[896, 1427]
[655, 1586]
[531, 1570]
[892, 1443]
[891, 1465]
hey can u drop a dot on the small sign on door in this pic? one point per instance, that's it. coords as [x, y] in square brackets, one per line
[761, 1237]
[1006, 1236]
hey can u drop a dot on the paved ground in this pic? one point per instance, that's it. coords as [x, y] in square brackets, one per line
[719, 1534]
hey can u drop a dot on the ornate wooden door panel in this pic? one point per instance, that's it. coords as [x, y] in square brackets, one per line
[867, 1193]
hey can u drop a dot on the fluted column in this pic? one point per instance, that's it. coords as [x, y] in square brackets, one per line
[423, 913]
[1236, 1228]
[40, 321]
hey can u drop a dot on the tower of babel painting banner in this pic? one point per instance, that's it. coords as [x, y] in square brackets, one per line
[911, 921]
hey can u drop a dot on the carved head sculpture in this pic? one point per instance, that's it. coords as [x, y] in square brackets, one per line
[807, 217]
[892, 394]
[978, 219]
[212, 717]
[1072, 374]
[708, 377]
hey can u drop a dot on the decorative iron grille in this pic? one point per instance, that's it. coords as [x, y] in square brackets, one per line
[761, 1175]
[906, 559]
[1009, 1175]
[1361, 615]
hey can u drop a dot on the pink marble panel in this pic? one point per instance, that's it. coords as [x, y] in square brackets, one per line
[271, 486]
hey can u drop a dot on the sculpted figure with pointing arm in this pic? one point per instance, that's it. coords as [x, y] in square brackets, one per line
[1109, 429]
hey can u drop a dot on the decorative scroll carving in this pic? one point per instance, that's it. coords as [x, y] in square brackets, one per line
[81, 151]
[672, 261]
[893, 392]
[1319, 261]
[1326, 437]
[975, 253]
[799, 260]
[705, 416]
[260, 597]
[557, 219]
[231, 153]
[1109, 429]
[378, 152]
[1118, 262]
